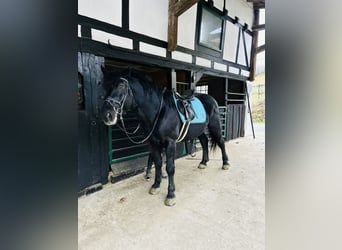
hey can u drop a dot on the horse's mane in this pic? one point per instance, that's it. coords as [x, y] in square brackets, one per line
[148, 85]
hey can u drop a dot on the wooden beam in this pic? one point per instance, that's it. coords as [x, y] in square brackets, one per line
[176, 8]
[258, 27]
[260, 49]
[254, 45]
[181, 6]
[172, 27]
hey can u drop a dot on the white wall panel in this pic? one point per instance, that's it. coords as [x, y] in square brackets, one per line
[151, 49]
[244, 72]
[241, 56]
[242, 9]
[108, 11]
[149, 17]
[220, 66]
[79, 30]
[203, 62]
[119, 41]
[187, 28]
[181, 56]
[230, 43]
[233, 70]
[249, 47]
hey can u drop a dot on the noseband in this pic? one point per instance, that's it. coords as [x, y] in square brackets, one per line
[118, 105]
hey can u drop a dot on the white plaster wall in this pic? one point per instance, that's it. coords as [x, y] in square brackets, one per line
[239, 8]
[151, 49]
[249, 47]
[105, 37]
[241, 56]
[180, 56]
[149, 17]
[108, 11]
[242, 9]
[187, 28]
[230, 42]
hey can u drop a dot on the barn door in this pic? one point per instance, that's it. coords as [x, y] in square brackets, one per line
[92, 167]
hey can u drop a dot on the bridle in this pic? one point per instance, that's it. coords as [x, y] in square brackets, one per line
[116, 105]
[118, 109]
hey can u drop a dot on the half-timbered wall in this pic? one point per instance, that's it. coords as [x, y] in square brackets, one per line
[150, 19]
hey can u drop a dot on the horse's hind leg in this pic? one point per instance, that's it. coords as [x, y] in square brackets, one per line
[216, 136]
[170, 169]
[157, 164]
[225, 165]
[205, 158]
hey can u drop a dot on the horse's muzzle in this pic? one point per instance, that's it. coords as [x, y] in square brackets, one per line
[110, 118]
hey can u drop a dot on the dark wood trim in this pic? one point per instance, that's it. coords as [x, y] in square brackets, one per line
[245, 48]
[86, 31]
[172, 30]
[254, 45]
[258, 27]
[260, 49]
[237, 23]
[125, 14]
[136, 37]
[100, 49]
[176, 8]
[181, 6]
[238, 47]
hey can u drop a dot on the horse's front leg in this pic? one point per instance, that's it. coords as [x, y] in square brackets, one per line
[157, 164]
[170, 169]
[149, 166]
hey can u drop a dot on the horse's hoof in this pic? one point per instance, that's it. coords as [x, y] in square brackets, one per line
[170, 202]
[154, 191]
[202, 166]
[148, 176]
[225, 166]
[110, 176]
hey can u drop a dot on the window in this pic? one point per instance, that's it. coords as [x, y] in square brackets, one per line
[210, 29]
[201, 89]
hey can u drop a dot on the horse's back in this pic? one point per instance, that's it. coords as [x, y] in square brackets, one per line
[209, 103]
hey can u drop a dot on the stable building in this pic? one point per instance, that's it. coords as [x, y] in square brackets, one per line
[206, 46]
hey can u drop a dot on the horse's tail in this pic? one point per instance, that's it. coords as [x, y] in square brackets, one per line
[214, 125]
[214, 140]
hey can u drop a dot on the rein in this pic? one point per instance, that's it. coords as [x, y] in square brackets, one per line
[119, 111]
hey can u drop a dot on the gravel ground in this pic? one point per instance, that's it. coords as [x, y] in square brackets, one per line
[216, 209]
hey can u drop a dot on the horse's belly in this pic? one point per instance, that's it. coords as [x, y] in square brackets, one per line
[195, 130]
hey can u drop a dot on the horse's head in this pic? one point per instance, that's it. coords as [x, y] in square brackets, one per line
[118, 99]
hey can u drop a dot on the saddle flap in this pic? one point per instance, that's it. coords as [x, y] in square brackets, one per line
[184, 106]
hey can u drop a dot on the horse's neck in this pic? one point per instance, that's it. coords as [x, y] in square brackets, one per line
[148, 104]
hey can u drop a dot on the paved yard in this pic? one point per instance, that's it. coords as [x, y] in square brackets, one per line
[216, 209]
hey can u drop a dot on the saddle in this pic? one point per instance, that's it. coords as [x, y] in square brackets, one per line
[183, 103]
[190, 110]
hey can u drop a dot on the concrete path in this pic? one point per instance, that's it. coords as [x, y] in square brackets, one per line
[216, 209]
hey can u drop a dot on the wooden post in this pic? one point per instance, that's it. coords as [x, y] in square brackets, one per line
[254, 45]
[176, 8]
[172, 27]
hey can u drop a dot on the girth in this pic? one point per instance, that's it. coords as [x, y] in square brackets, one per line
[187, 112]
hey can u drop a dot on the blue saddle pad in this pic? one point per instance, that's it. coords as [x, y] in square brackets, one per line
[197, 106]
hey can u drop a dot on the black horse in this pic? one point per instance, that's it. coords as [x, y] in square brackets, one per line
[159, 118]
